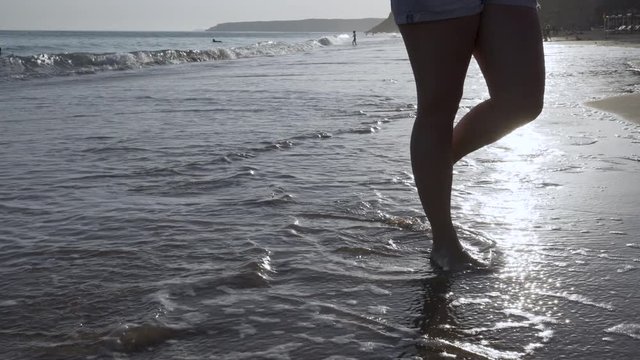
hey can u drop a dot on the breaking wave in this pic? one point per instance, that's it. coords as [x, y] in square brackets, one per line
[48, 65]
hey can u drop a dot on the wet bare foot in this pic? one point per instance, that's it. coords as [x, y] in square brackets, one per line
[453, 257]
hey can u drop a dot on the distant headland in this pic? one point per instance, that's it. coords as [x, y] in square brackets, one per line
[307, 25]
[386, 26]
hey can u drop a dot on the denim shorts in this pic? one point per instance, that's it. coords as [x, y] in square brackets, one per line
[415, 11]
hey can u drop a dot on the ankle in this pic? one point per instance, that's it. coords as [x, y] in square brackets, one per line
[446, 241]
[444, 233]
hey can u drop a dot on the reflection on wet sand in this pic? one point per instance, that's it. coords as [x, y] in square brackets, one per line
[435, 321]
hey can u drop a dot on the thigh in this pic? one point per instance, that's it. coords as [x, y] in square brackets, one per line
[510, 53]
[440, 52]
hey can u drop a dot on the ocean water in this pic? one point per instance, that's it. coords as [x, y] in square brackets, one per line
[30, 54]
[261, 206]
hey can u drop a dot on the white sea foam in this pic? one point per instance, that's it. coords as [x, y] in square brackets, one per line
[475, 301]
[45, 65]
[335, 40]
[478, 350]
[581, 299]
[627, 268]
[378, 310]
[631, 330]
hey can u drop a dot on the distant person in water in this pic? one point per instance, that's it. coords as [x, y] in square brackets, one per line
[441, 36]
[547, 33]
[354, 42]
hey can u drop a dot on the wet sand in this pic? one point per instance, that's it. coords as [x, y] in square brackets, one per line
[626, 106]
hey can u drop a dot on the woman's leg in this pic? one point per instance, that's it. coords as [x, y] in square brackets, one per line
[510, 54]
[439, 52]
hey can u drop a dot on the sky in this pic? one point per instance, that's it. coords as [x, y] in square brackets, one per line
[173, 15]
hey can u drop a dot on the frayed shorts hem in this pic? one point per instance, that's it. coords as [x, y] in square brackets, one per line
[417, 11]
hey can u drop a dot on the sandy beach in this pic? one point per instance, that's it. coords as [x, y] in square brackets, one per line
[625, 106]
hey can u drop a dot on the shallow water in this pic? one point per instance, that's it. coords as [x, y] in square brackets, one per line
[265, 208]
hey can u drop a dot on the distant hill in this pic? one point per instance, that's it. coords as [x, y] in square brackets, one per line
[308, 25]
[387, 26]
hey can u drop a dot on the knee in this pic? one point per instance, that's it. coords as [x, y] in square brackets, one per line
[443, 104]
[520, 109]
[531, 108]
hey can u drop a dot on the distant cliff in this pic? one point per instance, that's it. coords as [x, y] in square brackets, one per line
[308, 25]
[387, 26]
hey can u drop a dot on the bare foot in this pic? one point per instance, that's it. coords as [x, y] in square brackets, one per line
[453, 257]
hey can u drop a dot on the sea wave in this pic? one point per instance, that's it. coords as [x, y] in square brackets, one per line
[49, 65]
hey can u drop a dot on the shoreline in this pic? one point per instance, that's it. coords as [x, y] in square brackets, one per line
[599, 37]
[624, 106]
